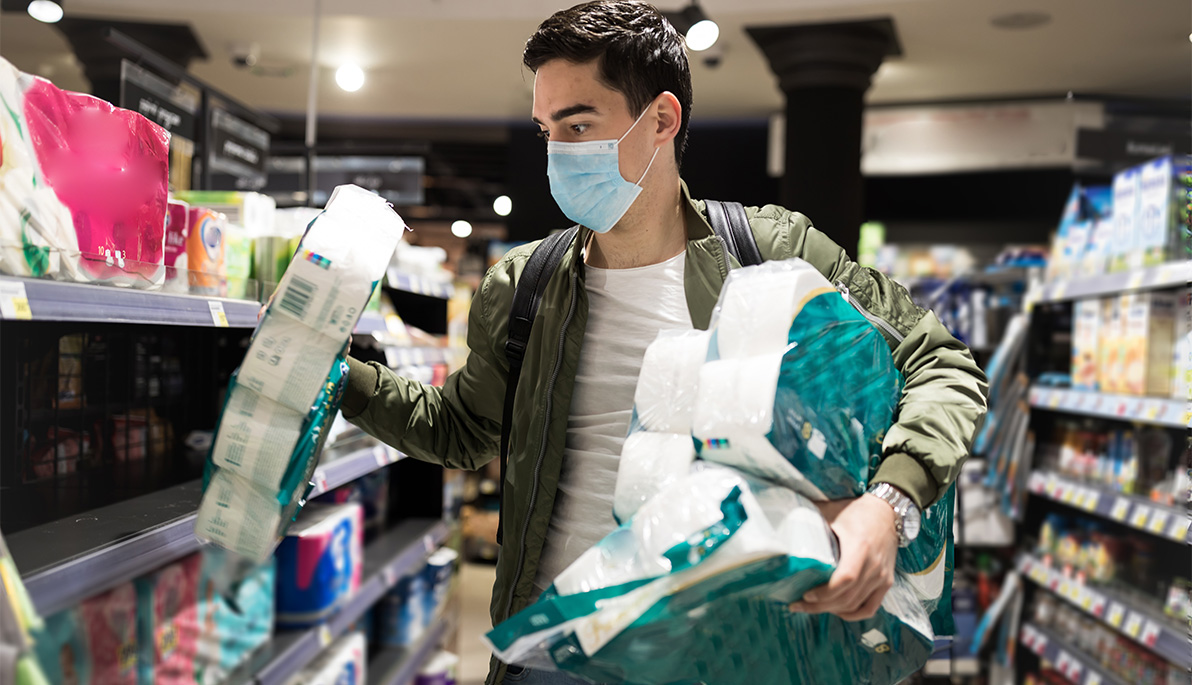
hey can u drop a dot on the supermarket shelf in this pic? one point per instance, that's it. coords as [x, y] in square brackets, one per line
[399, 666]
[57, 301]
[415, 356]
[1154, 278]
[1156, 633]
[370, 323]
[67, 561]
[395, 554]
[1159, 411]
[1077, 667]
[1137, 512]
[418, 285]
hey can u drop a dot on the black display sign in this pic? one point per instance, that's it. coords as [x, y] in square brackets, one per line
[1120, 148]
[158, 101]
[397, 179]
[237, 147]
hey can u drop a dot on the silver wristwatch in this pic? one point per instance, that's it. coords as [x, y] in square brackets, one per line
[906, 521]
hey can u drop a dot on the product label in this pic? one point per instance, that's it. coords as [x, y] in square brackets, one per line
[14, 302]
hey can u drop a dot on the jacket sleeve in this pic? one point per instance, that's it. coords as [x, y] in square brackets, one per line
[458, 425]
[945, 396]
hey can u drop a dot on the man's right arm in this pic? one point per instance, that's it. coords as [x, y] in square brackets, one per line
[458, 425]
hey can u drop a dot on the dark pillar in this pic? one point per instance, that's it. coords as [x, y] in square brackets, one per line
[824, 71]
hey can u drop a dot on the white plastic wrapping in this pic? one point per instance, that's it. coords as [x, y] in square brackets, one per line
[649, 463]
[665, 400]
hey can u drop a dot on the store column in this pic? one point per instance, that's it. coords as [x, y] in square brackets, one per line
[824, 71]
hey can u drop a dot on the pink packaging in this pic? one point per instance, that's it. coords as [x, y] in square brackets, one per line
[110, 623]
[170, 622]
[110, 168]
[177, 231]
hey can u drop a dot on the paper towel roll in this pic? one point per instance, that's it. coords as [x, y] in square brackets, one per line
[758, 304]
[237, 515]
[256, 437]
[288, 361]
[649, 463]
[666, 388]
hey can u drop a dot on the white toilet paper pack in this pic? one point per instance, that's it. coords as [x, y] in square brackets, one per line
[649, 463]
[665, 397]
[285, 395]
[757, 306]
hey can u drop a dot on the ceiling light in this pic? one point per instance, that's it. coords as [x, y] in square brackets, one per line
[46, 10]
[700, 31]
[1021, 20]
[350, 77]
[503, 205]
[461, 229]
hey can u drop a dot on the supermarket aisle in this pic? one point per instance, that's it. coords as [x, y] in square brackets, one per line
[476, 585]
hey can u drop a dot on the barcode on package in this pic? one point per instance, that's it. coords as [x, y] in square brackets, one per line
[298, 296]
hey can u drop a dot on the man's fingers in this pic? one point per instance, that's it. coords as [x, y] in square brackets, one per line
[868, 608]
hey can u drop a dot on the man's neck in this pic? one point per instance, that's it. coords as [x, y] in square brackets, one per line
[653, 231]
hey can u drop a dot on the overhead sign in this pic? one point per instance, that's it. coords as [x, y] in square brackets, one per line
[237, 147]
[172, 108]
[397, 179]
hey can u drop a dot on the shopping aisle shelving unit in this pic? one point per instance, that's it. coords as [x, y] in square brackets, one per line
[399, 666]
[1157, 633]
[1154, 278]
[1078, 667]
[397, 553]
[1158, 411]
[1137, 512]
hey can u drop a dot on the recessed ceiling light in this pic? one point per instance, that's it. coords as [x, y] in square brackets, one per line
[503, 205]
[461, 229]
[47, 11]
[1015, 21]
[350, 77]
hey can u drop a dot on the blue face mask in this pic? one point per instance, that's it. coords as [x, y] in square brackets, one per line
[585, 180]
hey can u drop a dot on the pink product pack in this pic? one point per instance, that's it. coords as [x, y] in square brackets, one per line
[169, 623]
[83, 184]
[176, 234]
[110, 624]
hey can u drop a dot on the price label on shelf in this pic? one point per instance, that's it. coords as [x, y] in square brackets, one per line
[1116, 613]
[1133, 626]
[1159, 521]
[381, 455]
[1151, 410]
[1040, 644]
[1063, 661]
[1096, 604]
[1150, 633]
[1091, 500]
[428, 543]
[218, 316]
[1054, 400]
[1140, 516]
[1086, 601]
[1080, 498]
[1121, 408]
[14, 301]
[324, 636]
[1136, 280]
[1051, 485]
[1075, 669]
[1121, 509]
[320, 480]
[389, 575]
[1069, 494]
[1179, 528]
[1093, 678]
[1054, 583]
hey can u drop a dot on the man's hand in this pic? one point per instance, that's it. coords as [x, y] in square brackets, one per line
[868, 548]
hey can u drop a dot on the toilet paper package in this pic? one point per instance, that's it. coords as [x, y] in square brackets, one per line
[664, 399]
[320, 563]
[649, 463]
[94, 643]
[83, 186]
[695, 588]
[343, 663]
[235, 613]
[295, 362]
[177, 234]
[167, 622]
[757, 305]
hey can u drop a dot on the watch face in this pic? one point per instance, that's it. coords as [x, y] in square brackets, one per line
[910, 526]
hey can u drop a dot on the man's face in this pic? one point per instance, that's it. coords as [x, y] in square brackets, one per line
[572, 105]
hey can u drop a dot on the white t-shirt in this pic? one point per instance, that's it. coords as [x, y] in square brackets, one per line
[626, 310]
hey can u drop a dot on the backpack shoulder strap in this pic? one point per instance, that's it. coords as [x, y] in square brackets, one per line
[731, 224]
[527, 295]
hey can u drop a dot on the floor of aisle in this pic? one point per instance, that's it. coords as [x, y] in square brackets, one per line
[476, 587]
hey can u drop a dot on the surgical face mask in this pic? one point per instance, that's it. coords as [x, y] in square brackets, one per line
[585, 180]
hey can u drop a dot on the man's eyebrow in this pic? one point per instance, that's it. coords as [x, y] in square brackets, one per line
[567, 112]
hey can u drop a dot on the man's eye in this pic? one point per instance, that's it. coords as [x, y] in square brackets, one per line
[578, 129]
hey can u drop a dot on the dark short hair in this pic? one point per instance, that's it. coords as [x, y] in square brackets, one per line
[639, 53]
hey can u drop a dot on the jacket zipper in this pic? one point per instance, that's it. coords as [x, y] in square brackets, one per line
[875, 320]
[550, 390]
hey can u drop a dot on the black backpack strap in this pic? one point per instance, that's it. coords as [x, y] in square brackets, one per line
[526, 298]
[731, 224]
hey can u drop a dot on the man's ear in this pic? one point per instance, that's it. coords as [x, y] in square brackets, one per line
[670, 117]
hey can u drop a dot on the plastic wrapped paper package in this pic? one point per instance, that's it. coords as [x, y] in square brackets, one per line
[177, 235]
[66, 212]
[343, 663]
[320, 563]
[94, 643]
[664, 399]
[649, 463]
[167, 623]
[695, 588]
[235, 613]
[263, 456]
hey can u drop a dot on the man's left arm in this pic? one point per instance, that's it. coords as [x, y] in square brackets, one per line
[942, 406]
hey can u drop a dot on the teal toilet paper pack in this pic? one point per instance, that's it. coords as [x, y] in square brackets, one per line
[284, 396]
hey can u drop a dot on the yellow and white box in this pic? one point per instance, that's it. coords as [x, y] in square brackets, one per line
[1181, 350]
[1086, 323]
[1147, 348]
[1109, 348]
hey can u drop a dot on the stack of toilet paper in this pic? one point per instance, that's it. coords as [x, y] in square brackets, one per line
[288, 387]
[736, 432]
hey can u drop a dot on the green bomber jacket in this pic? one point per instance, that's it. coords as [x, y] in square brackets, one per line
[459, 425]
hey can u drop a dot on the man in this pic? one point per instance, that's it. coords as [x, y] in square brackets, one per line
[612, 96]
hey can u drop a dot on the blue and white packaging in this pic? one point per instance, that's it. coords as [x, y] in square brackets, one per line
[319, 563]
[401, 614]
[438, 572]
[1125, 211]
[343, 663]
